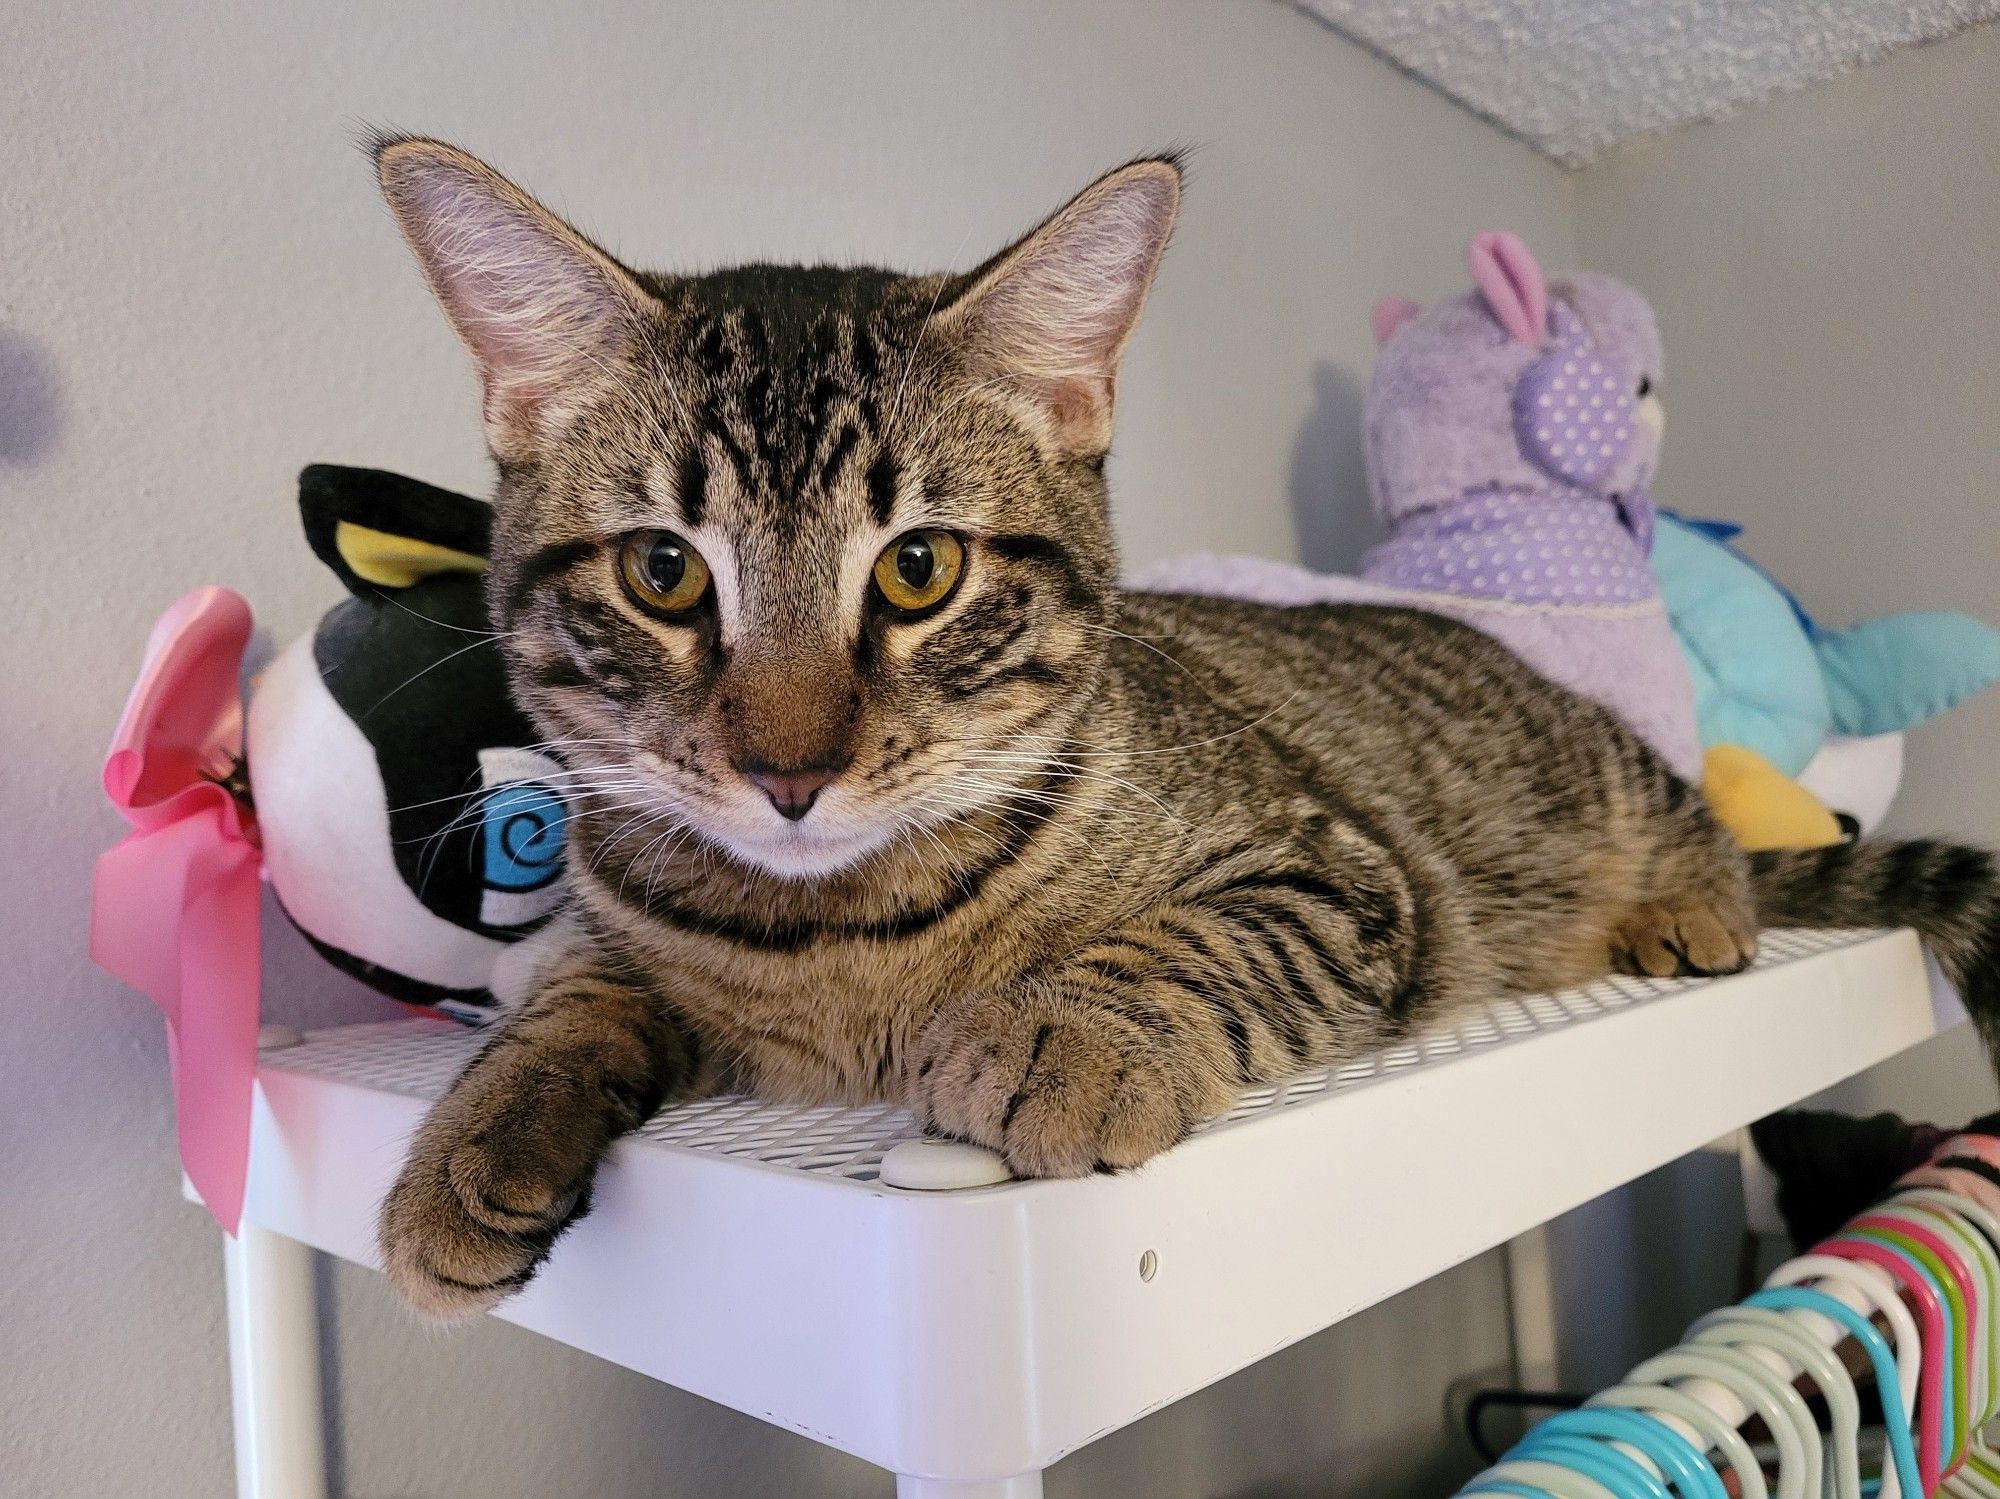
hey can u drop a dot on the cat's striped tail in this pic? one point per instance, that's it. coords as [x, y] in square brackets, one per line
[1950, 893]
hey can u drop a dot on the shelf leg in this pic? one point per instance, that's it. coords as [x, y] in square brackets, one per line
[1531, 1309]
[1020, 1486]
[274, 1367]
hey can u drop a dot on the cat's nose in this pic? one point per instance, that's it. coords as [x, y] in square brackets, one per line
[792, 790]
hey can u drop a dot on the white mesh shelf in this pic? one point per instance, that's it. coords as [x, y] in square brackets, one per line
[751, 1253]
[419, 1058]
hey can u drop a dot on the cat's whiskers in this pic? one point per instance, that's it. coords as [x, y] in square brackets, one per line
[1005, 759]
[1144, 644]
[677, 824]
[390, 599]
[969, 796]
[472, 814]
[419, 676]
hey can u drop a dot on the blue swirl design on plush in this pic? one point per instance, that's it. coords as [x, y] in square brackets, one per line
[523, 828]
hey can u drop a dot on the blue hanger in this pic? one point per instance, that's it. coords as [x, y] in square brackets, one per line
[1688, 1470]
[1895, 1423]
[1617, 1471]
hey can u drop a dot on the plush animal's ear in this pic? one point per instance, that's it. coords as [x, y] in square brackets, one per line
[1050, 315]
[539, 305]
[380, 531]
[1505, 272]
[1388, 315]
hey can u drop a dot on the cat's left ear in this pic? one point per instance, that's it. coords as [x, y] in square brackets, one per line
[540, 307]
[1050, 315]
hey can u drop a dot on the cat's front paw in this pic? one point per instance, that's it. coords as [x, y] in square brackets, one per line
[1058, 1085]
[1686, 938]
[496, 1173]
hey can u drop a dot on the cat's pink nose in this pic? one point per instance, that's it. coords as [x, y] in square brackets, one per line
[794, 791]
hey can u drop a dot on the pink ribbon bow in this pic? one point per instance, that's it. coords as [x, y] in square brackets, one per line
[174, 906]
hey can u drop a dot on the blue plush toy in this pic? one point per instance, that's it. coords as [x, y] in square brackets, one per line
[1773, 687]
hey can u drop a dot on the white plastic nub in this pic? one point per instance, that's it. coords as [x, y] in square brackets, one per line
[942, 1166]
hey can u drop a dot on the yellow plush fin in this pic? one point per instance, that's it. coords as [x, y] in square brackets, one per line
[1761, 805]
[391, 561]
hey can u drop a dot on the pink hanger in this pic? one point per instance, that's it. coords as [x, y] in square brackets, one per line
[1956, 1179]
[1955, 1264]
[1930, 1388]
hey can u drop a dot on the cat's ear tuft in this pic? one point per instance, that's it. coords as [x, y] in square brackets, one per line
[1051, 314]
[540, 306]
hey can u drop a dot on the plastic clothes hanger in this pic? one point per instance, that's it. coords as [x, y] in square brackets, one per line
[1956, 1180]
[1665, 1400]
[1933, 1334]
[1876, 1290]
[1618, 1471]
[1758, 1327]
[1759, 1390]
[1896, 1423]
[1951, 1279]
[1957, 1282]
[1947, 1258]
[1982, 1228]
[1977, 1288]
[1791, 1424]
[1544, 1480]
[1677, 1459]
[1952, 1219]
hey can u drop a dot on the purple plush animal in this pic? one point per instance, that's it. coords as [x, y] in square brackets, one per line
[1511, 435]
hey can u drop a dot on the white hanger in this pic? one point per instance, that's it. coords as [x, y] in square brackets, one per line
[1793, 1347]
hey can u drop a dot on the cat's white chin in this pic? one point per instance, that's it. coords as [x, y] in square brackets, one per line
[802, 851]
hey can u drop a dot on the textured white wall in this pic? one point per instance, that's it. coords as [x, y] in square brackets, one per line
[1827, 274]
[198, 293]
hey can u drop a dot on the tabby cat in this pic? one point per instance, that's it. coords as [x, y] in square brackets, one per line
[882, 789]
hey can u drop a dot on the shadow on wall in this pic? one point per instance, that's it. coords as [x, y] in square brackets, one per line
[1331, 515]
[30, 399]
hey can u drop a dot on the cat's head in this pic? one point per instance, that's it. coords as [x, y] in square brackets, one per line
[1520, 383]
[795, 560]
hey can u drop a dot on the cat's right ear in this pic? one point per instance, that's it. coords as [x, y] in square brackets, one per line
[540, 306]
[1050, 315]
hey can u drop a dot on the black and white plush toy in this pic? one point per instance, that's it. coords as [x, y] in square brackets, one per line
[409, 827]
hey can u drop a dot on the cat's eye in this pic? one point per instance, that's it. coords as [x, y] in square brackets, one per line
[1645, 386]
[662, 572]
[918, 569]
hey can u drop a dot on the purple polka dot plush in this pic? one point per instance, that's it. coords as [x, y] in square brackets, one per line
[1510, 436]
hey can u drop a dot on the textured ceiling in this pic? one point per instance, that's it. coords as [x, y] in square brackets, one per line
[1575, 77]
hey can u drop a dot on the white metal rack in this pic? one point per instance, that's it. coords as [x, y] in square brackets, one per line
[967, 1339]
